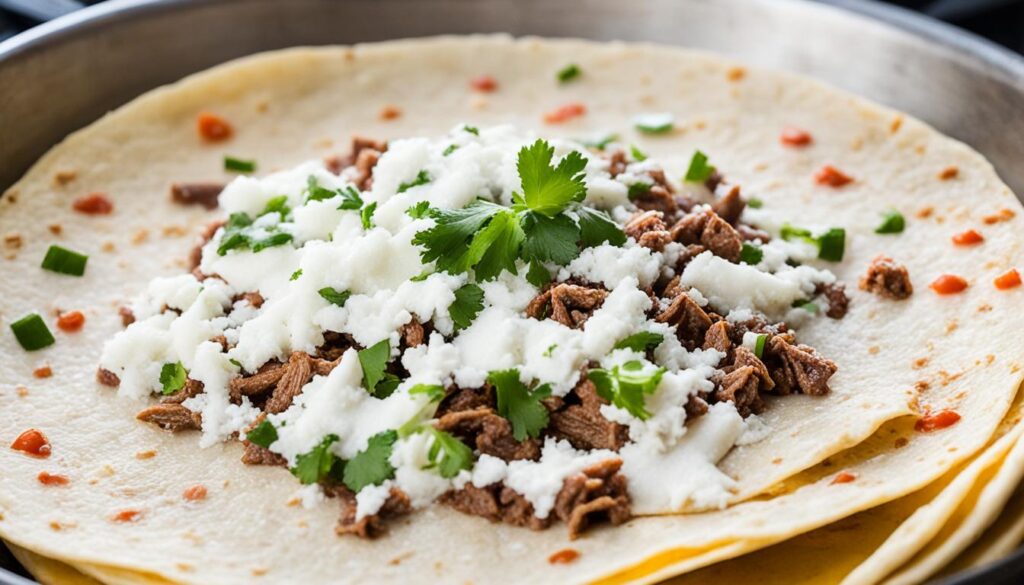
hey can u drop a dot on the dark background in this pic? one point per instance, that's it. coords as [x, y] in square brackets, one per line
[999, 20]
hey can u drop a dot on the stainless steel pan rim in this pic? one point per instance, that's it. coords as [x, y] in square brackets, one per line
[961, 50]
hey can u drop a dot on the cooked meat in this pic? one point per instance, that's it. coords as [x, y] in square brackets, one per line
[475, 501]
[107, 378]
[412, 333]
[171, 417]
[192, 388]
[518, 511]
[617, 163]
[691, 321]
[688, 253]
[798, 368]
[600, 491]
[648, 229]
[583, 425]
[750, 234]
[253, 298]
[696, 406]
[256, 455]
[298, 372]
[730, 206]
[717, 337]
[740, 387]
[259, 383]
[205, 236]
[127, 316]
[334, 346]
[714, 180]
[838, 302]
[490, 433]
[711, 231]
[569, 304]
[204, 194]
[657, 198]
[370, 526]
[460, 399]
[887, 278]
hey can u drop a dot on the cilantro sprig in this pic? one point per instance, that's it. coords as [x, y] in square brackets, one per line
[546, 222]
[641, 341]
[831, 244]
[520, 405]
[469, 301]
[626, 385]
[374, 362]
[372, 465]
[318, 463]
[172, 378]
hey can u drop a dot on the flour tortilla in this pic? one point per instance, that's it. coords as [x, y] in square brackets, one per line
[1002, 538]
[300, 104]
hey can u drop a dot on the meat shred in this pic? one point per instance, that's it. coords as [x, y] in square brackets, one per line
[887, 278]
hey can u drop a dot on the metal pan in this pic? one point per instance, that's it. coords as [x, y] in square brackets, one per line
[65, 74]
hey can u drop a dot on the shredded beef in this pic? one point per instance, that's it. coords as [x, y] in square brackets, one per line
[838, 302]
[257, 384]
[717, 337]
[412, 333]
[459, 399]
[196, 256]
[297, 374]
[491, 433]
[743, 383]
[696, 406]
[569, 304]
[171, 417]
[476, 501]
[599, 492]
[714, 180]
[708, 230]
[256, 455]
[887, 278]
[617, 163]
[191, 389]
[648, 228]
[583, 425]
[204, 194]
[370, 526]
[691, 321]
[253, 298]
[107, 378]
[657, 198]
[334, 346]
[730, 206]
[798, 368]
[750, 234]
[518, 511]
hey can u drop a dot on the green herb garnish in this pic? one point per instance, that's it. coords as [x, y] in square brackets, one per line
[263, 434]
[64, 261]
[271, 241]
[755, 203]
[318, 463]
[32, 333]
[451, 148]
[551, 348]
[596, 228]
[237, 165]
[638, 155]
[831, 244]
[469, 301]
[422, 178]
[569, 72]
[638, 189]
[759, 343]
[654, 123]
[295, 275]
[350, 199]
[751, 254]
[892, 223]
[433, 392]
[371, 466]
[374, 362]
[642, 341]
[808, 306]
[366, 215]
[521, 406]
[471, 129]
[419, 211]
[538, 275]
[172, 378]
[699, 169]
[625, 386]
[335, 296]
[277, 205]
[448, 454]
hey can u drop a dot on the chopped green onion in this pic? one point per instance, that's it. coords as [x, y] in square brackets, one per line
[699, 169]
[654, 123]
[366, 215]
[277, 204]
[600, 142]
[451, 148]
[32, 333]
[263, 434]
[421, 276]
[471, 129]
[806, 305]
[172, 377]
[569, 72]
[751, 254]
[271, 241]
[335, 296]
[755, 203]
[638, 189]
[551, 348]
[892, 223]
[64, 261]
[433, 392]
[296, 274]
[237, 165]
[762, 338]
[832, 245]
[638, 155]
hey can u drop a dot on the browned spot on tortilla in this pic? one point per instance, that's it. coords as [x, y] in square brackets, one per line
[14, 241]
[262, 106]
[897, 123]
[398, 560]
[56, 526]
[947, 377]
[925, 212]
[919, 363]
[43, 372]
[140, 236]
[564, 556]
[390, 112]
[951, 326]
[874, 349]
[1002, 215]
[777, 461]
[984, 308]
[900, 442]
[143, 455]
[735, 73]
[12, 196]
[107, 246]
[55, 228]
[949, 173]
[922, 385]
[21, 391]
[173, 231]
[259, 571]
[185, 567]
[64, 176]
[989, 359]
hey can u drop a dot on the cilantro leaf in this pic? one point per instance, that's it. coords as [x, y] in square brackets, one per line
[659, 123]
[625, 386]
[233, 236]
[597, 228]
[313, 466]
[278, 239]
[421, 276]
[387, 386]
[469, 301]
[263, 434]
[496, 247]
[296, 275]
[755, 203]
[751, 254]
[546, 189]
[448, 454]
[519, 405]
[371, 466]
[374, 362]
[699, 169]
[806, 305]
[451, 148]
[278, 205]
[569, 72]
[172, 377]
[422, 178]
[892, 223]
[366, 215]
[550, 239]
[638, 189]
[419, 211]
[350, 199]
[335, 296]
[831, 244]
[471, 129]
[638, 155]
[641, 342]
[433, 392]
[448, 241]
[538, 275]
[315, 192]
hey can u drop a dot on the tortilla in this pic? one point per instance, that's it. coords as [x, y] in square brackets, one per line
[895, 358]
[1002, 538]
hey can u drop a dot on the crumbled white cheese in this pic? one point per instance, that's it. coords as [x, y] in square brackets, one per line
[540, 481]
[608, 265]
[728, 286]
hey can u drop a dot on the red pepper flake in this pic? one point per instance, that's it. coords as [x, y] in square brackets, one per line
[1007, 280]
[832, 177]
[390, 113]
[213, 128]
[1003, 215]
[126, 516]
[968, 238]
[564, 556]
[484, 84]
[32, 442]
[51, 479]
[940, 420]
[565, 113]
[948, 284]
[843, 477]
[195, 493]
[42, 372]
[93, 204]
[71, 321]
[795, 137]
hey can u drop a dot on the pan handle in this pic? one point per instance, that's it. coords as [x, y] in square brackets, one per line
[42, 10]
